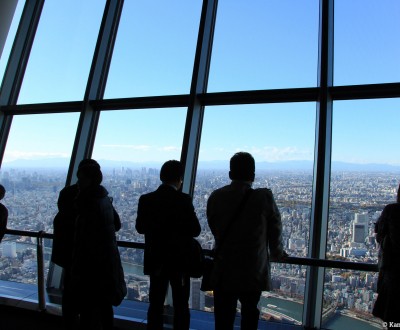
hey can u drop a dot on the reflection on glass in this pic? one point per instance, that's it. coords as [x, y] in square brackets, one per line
[62, 52]
[281, 139]
[155, 48]
[364, 50]
[264, 45]
[349, 297]
[365, 175]
[131, 146]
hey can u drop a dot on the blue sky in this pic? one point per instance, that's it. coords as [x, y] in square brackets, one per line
[257, 45]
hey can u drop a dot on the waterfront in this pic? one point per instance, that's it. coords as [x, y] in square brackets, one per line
[291, 309]
[335, 322]
[340, 321]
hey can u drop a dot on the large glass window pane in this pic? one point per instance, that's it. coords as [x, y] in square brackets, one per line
[33, 171]
[365, 174]
[62, 52]
[19, 266]
[131, 146]
[264, 45]
[19, 262]
[6, 50]
[34, 168]
[349, 297]
[155, 48]
[364, 178]
[366, 50]
[281, 139]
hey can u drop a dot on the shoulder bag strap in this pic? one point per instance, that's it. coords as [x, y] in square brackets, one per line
[234, 218]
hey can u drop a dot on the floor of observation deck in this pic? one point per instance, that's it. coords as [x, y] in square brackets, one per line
[19, 310]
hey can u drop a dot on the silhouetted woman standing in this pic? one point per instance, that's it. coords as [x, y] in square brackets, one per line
[95, 251]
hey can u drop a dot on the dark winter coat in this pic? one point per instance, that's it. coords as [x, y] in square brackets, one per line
[95, 257]
[64, 226]
[167, 219]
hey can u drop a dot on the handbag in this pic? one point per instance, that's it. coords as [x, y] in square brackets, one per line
[210, 265]
[209, 279]
[195, 262]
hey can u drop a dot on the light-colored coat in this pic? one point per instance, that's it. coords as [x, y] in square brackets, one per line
[251, 242]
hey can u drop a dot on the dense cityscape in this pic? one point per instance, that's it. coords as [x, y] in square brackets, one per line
[356, 200]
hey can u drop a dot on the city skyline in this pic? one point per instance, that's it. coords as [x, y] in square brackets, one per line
[61, 163]
[32, 196]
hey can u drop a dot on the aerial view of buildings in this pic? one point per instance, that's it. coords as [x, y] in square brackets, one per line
[356, 200]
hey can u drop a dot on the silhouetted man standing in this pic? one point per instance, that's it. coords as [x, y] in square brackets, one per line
[245, 246]
[167, 219]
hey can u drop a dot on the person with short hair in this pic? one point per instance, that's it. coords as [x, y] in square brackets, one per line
[3, 214]
[168, 221]
[244, 247]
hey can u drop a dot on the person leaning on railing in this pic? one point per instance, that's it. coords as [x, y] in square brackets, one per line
[64, 238]
[246, 224]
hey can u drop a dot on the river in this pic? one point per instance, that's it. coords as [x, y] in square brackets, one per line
[295, 310]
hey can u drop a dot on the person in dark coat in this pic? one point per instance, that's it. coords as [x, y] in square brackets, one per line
[95, 251]
[245, 249]
[63, 240]
[167, 219]
[3, 214]
[387, 230]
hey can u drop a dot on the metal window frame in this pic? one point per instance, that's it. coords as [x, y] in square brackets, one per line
[195, 102]
[16, 66]
[313, 296]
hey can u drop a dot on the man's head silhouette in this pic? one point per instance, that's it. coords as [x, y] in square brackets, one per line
[242, 167]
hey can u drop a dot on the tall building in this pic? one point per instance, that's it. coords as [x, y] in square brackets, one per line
[362, 218]
[358, 232]
[197, 298]
[9, 250]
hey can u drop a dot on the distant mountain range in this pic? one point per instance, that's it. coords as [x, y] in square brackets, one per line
[206, 165]
[306, 165]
